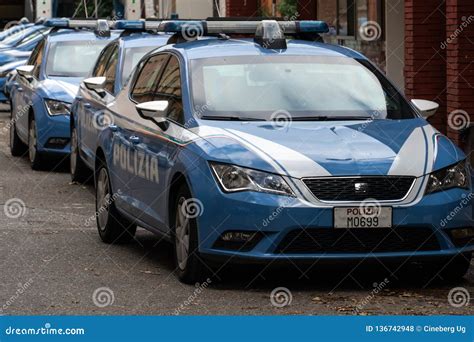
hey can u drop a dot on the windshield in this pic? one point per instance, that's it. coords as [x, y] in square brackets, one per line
[257, 87]
[73, 59]
[132, 57]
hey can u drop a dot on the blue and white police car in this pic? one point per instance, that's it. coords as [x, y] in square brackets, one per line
[278, 148]
[46, 87]
[97, 92]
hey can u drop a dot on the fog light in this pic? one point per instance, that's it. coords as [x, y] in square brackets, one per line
[57, 142]
[462, 237]
[237, 236]
[242, 241]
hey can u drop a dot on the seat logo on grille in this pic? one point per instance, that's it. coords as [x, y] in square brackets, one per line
[361, 188]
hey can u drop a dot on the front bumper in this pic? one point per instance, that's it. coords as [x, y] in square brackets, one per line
[274, 217]
[53, 134]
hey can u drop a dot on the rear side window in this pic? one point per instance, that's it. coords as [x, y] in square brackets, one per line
[147, 80]
[110, 72]
[169, 89]
[101, 65]
[36, 58]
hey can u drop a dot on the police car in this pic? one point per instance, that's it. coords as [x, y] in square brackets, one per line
[16, 49]
[107, 78]
[278, 148]
[47, 85]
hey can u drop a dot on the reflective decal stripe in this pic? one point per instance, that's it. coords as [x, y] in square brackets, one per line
[405, 163]
[290, 161]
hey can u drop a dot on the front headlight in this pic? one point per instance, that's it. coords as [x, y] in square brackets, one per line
[454, 176]
[235, 178]
[57, 107]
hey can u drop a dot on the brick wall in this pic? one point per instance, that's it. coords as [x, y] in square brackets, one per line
[425, 60]
[460, 69]
[241, 8]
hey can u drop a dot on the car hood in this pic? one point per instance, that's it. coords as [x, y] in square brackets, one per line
[316, 149]
[61, 88]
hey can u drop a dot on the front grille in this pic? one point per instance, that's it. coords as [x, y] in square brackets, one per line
[361, 240]
[361, 188]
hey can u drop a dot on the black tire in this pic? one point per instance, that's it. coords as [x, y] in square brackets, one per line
[17, 147]
[456, 268]
[80, 173]
[36, 160]
[113, 227]
[191, 268]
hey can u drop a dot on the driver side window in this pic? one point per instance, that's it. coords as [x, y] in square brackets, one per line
[101, 64]
[36, 58]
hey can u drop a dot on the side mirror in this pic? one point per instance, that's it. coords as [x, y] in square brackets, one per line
[426, 108]
[154, 110]
[26, 71]
[95, 83]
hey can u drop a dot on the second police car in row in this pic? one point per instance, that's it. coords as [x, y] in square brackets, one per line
[109, 74]
[275, 149]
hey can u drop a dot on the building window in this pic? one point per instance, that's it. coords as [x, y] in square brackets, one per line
[357, 24]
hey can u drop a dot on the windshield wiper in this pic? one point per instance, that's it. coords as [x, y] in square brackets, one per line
[331, 118]
[229, 118]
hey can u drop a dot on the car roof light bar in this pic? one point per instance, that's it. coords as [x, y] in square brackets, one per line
[241, 27]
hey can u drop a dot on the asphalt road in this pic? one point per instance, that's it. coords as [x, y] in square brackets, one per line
[53, 263]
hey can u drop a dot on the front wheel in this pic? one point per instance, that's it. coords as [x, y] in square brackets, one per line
[191, 268]
[112, 225]
[33, 153]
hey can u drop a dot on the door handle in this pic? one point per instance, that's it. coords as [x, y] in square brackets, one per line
[113, 128]
[87, 105]
[20, 89]
[134, 139]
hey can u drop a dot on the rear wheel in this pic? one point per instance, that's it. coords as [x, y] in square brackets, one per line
[112, 225]
[33, 153]
[79, 171]
[17, 147]
[189, 263]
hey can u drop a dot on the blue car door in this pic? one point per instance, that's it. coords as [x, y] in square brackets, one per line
[24, 92]
[158, 150]
[91, 104]
[134, 167]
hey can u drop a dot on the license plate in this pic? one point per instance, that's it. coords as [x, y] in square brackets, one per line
[360, 217]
